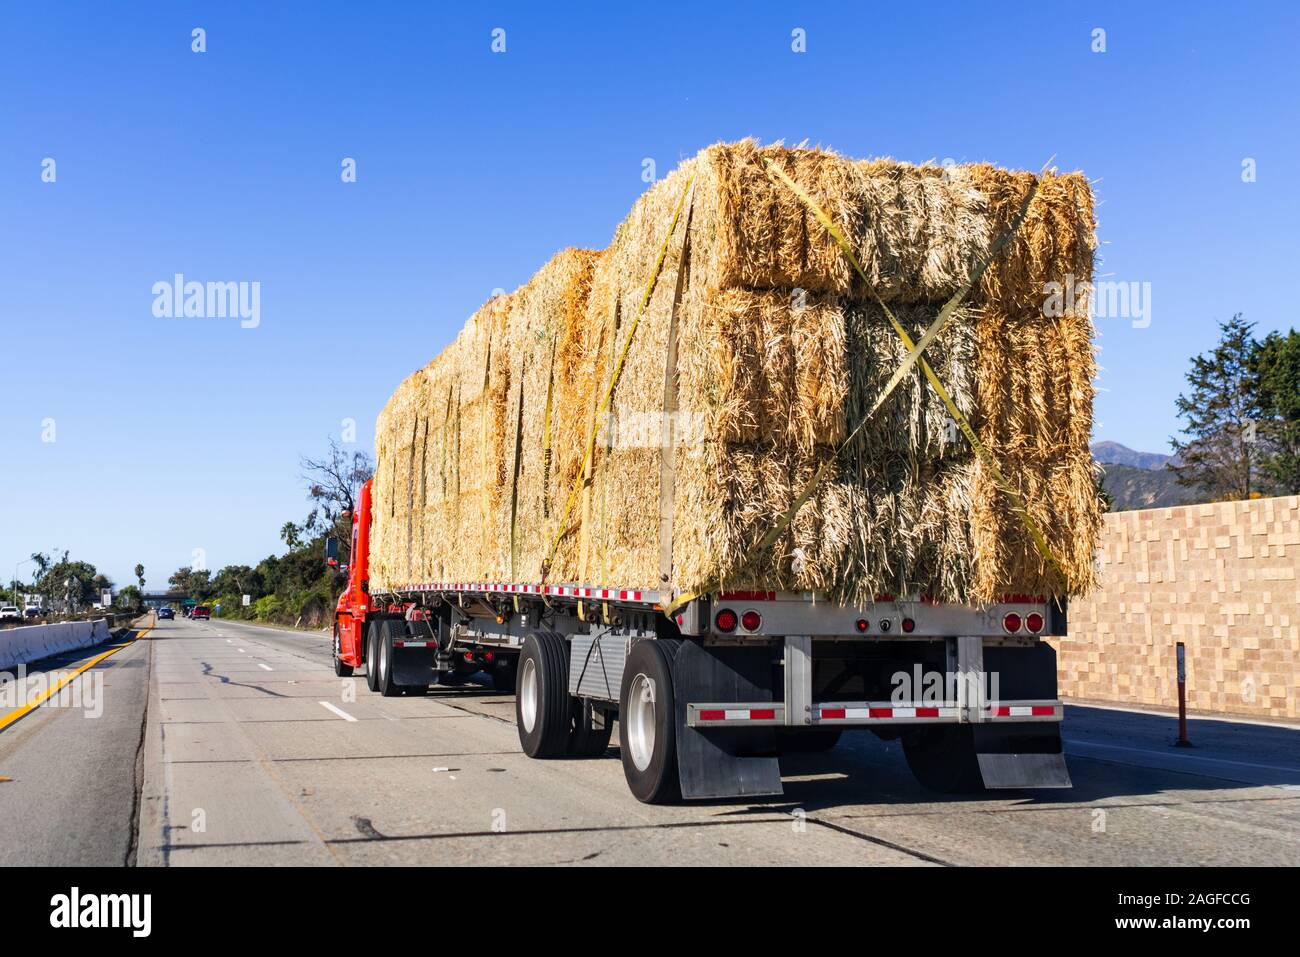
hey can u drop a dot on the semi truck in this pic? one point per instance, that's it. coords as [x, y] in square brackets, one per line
[709, 693]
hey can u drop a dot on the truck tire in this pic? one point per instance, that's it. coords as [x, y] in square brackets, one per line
[811, 741]
[647, 729]
[340, 669]
[543, 712]
[384, 679]
[587, 740]
[943, 759]
[372, 656]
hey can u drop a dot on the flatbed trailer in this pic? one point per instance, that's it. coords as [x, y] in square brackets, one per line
[708, 696]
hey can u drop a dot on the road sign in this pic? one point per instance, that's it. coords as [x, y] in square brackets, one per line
[248, 600]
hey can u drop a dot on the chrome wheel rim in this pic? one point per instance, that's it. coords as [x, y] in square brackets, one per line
[528, 695]
[641, 720]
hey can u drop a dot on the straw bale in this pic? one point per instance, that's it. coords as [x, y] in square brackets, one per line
[781, 349]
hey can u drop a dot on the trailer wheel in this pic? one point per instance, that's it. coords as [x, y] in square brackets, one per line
[943, 758]
[647, 717]
[586, 739]
[372, 656]
[542, 704]
[340, 669]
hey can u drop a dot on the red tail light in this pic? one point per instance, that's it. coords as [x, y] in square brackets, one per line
[488, 656]
[1011, 623]
[909, 625]
[862, 624]
[726, 620]
[469, 656]
[1034, 622]
[751, 620]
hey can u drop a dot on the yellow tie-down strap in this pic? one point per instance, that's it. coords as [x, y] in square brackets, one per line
[613, 379]
[913, 357]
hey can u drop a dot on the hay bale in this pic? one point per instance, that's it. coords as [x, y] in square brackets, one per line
[780, 351]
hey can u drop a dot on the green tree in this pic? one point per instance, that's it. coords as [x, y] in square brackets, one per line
[195, 583]
[1107, 500]
[236, 580]
[333, 484]
[1222, 456]
[130, 598]
[42, 562]
[139, 576]
[76, 582]
[1277, 368]
[289, 534]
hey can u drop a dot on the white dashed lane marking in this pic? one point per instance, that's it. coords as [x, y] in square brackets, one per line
[338, 711]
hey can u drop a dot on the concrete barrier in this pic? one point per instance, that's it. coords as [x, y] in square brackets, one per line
[34, 642]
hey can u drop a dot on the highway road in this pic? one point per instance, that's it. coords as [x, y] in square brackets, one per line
[238, 745]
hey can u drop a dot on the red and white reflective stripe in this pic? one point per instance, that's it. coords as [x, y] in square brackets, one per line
[737, 714]
[1025, 711]
[885, 713]
[528, 588]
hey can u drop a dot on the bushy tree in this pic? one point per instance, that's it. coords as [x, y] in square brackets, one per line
[130, 598]
[67, 580]
[1276, 366]
[195, 583]
[1222, 456]
[333, 484]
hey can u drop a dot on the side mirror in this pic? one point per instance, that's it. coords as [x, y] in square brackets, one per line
[331, 551]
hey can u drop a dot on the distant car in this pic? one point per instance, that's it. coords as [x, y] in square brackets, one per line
[168, 614]
[201, 611]
[33, 612]
[10, 612]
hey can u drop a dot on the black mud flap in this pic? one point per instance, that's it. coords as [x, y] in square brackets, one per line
[722, 762]
[414, 667]
[1021, 756]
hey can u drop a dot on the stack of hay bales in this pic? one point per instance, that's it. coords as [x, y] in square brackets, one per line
[780, 349]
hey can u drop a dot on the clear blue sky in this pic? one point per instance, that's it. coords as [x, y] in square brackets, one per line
[474, 167]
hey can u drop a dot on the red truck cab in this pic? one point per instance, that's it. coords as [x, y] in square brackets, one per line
[354, 603]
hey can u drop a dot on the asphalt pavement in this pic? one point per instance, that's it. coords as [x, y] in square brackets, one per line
[229, 743]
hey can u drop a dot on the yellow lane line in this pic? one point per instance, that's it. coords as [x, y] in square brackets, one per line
[20, 713]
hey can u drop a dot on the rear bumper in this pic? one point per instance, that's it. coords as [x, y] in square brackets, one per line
[867, 713]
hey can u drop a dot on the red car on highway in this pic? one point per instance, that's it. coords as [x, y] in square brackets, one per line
[201, 611]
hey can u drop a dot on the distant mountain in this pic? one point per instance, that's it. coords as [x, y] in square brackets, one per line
[1131, 487]
[1112, 453]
